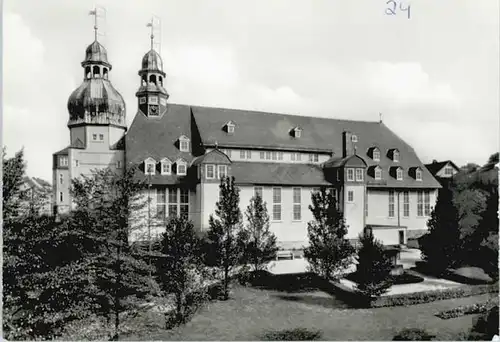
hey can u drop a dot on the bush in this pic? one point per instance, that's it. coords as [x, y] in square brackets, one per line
[470, 275]
[405, 278]
[413, 334]
[465, 310]
[486, 326]
[298, 334]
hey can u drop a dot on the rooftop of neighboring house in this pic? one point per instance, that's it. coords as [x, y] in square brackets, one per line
[436, 166]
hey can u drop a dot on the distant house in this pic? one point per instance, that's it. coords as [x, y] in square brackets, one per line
[37, 192]
[443, 171]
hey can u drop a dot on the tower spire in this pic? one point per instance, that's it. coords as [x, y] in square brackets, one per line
[94, 13]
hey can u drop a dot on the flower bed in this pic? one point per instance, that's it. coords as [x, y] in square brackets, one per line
[465, 310]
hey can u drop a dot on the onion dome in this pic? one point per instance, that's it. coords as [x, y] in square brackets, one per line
[96, 101]
[152, 61]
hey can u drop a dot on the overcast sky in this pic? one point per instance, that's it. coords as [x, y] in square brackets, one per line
[435, 76]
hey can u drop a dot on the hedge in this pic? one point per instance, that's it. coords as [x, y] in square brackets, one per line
[463, 310]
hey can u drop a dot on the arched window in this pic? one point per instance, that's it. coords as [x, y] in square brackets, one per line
[87, 72]
[144, 80]
[96, 71]
[105, 73]
[160, 80]
[152, 79]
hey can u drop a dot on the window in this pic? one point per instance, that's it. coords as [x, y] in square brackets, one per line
[427, 203]
[280, 155]
[295, 156]
[420, 203]
[359, 175]
[142, 100]
[274, 155]
[378, 173]
[262, 156]
[258, 191]
[399, 174]
[350, 175]
[366, 205]
[268, 155]
[395, 156]
[101, 137]
[313, 157]
[153, 100]
[354, 138]
[227, 152]
[222, 171]
[60, 196]
[172, 202]
[61, 178]
[391, 203]
[161, 199]
[63, 161]
[242, 154]
[296, 204]
[418, 175]
[184, 203]
[376, 155]
[249, 154]
[406, 204]
[181, 168]
[297, 132]
[230, 128]
[276, 204]
[150, 167]
[210, 170]
[119, 164]
[448, 171]
[94, 136]
[292, 156]
[184, 145]
[350, 196]
[166, 167]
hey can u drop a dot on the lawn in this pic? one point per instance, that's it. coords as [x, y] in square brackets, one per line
[252, 311]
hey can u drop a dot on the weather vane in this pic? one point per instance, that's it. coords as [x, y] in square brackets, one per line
[155, 25]
[96, 14]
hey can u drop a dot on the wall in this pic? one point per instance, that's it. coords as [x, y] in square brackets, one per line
[77, 133]
[388, 236]
[209, 196]
[378, 209]
[63, 206]
[354, 212]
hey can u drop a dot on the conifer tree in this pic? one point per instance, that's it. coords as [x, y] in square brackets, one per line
[258, 242]
[328, 251]
[223, 249]
[374, 267]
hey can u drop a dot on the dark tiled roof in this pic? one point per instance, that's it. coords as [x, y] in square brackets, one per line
[339, 162]
[435, 167]
[278, 173]
[64, 151]
[215, 156]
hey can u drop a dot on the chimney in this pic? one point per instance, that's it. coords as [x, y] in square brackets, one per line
[434, 161]
[347, 144]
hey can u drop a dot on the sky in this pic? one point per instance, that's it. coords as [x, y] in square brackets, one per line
[433, 76]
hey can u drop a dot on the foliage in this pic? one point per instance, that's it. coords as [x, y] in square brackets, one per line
[180, 266]
[486, 326]
[405, 278]
[465, 310]
[413, 334]
[373, 269]
[12, 179]
[439, 246]
[297, 334]
[257, 241]
[328, 251]
[222, 248]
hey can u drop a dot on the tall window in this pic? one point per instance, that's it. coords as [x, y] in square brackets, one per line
[249, 154]
[262, 155]
[378, 173]
[350, 175]
[359, 175]
[184, 203]
[258, 191]
[60, 196]
[178, 202]
[391, 203]
[172, 202]
[276, 204]
[61, 178]
[376, 155]
[420, 203]
[161, 202]
[399, 174]
[427, 203]
[296, 204]
[350, 196]
[210, 171]
[406, 204]
[222, 171]
[418, 175]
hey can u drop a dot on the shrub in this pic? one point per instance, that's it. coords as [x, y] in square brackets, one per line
[465, 310]
[413, 334]
[486, 326]
[470, 275]
[297, 334]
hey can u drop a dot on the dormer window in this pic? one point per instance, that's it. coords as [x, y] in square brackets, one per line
[166, 166]
[63, 161]
[229, 127]
[296, 132]
[399, 174]
[393, 154]
[150, 166]
[376, 154]
[418, 175]
[378, 173]
[354, 138]
[181, 167]
[210, 171]
[184, 144]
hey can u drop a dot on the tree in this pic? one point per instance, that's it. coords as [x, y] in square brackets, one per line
[374, 268]
[12, 179]
[223, 249]
[328, 251]
[440, 246]
[180, 266]
[259, 243]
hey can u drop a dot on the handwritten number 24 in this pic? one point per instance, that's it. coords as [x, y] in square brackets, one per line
[394, 4]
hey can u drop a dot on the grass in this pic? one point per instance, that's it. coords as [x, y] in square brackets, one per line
[256, 313]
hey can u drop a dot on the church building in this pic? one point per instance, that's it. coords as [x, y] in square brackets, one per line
[183, 150]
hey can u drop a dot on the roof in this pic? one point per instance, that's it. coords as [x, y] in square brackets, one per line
[36, 183]
[278, 174]
[339, 162]
[215, 156]
[96, 52]
[435, 166]
[64, 151]
[152, 61]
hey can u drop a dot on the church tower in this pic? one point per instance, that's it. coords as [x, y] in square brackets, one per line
[97, 125]
[151, 95]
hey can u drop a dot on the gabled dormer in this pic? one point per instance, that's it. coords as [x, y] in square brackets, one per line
[393, 154]
[296, 132]
[181, 167]
[416, 173]
[374, 153]
[149, 166]
[396, 172]
[166, 166]
[184, 143]
[375, 172]
[229, 127]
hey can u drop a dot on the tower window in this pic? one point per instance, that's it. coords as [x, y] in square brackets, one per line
[96, 71]
[152, 79]
[105, 73]
[60, 196]
[87, 72]
[160, 80]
